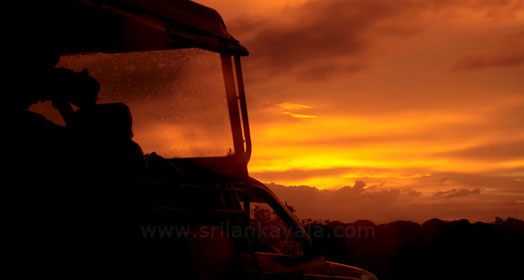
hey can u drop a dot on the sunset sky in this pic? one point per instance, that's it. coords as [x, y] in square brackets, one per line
[386, 110]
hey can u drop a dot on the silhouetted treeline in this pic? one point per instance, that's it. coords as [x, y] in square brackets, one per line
[435, 249]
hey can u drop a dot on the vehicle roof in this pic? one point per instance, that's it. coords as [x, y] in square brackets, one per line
[140, 25]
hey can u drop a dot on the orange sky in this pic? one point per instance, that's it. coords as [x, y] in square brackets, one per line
[417, 106]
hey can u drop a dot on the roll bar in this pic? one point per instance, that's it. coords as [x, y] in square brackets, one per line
[237, 106]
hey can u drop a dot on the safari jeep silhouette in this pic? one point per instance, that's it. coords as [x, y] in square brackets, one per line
[167, 80]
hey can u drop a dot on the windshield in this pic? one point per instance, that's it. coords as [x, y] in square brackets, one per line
[177, 98]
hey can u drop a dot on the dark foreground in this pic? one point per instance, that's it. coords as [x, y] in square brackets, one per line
[435, 249]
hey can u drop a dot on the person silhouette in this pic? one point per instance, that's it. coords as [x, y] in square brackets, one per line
[41, 170]
[108, 128]
[103, 130]
[70, 87]
[40, 144]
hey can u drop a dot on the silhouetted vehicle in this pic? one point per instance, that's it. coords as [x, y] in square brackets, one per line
[193, 212]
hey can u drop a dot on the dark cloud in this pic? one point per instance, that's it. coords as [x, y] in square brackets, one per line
[507, 180]
[489, 60]
[413, 193]
[508, 52]
[443, 180]
[318, 39]
[457, 193]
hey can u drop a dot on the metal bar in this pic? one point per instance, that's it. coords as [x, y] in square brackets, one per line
[232, 103]
[243, 106]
